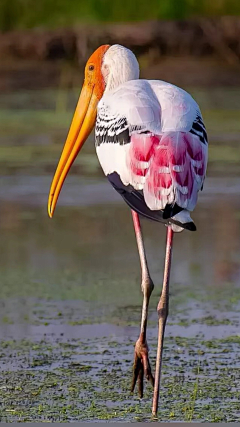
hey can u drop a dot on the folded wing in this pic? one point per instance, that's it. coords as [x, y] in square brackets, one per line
[170, 168]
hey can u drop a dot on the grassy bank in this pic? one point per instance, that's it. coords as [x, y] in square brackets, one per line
[23, 14]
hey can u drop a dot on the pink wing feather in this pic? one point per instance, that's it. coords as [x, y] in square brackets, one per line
[169, 168]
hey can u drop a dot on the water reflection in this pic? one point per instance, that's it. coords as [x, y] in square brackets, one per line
[96, 244]
[227, 241]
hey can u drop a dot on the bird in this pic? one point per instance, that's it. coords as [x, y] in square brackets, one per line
[152, 145]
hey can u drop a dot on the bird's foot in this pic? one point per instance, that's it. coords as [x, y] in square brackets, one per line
[141, 366]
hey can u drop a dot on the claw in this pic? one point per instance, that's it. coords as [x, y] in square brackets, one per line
[147, 369]
[140, 382]
[136, 370]
[141, 366]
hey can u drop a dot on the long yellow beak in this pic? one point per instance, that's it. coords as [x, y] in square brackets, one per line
[81, 126]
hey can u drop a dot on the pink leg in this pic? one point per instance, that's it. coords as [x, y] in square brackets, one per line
[162, 310]
[141, 364]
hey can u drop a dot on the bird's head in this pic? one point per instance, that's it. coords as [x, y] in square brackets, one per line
[107, 68]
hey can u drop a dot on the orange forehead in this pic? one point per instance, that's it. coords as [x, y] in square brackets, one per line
[93, 75]
[97, 56]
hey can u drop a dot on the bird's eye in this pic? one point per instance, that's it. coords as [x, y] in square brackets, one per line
[91, 67]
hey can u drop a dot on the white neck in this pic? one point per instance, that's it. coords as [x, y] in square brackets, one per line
[119, 66]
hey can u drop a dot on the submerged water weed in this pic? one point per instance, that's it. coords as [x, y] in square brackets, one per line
[189, 415]
[63, 379]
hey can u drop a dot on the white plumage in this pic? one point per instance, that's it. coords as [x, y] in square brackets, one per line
[141, 111]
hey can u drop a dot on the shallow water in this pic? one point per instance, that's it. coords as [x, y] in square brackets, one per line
[70, 287]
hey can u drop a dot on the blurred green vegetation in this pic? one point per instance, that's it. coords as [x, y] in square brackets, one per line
[23, 14]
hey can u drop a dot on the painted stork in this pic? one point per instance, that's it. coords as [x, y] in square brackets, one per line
[152, 145]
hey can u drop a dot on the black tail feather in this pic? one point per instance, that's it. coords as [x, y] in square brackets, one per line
[171, 210]
[135, 200]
